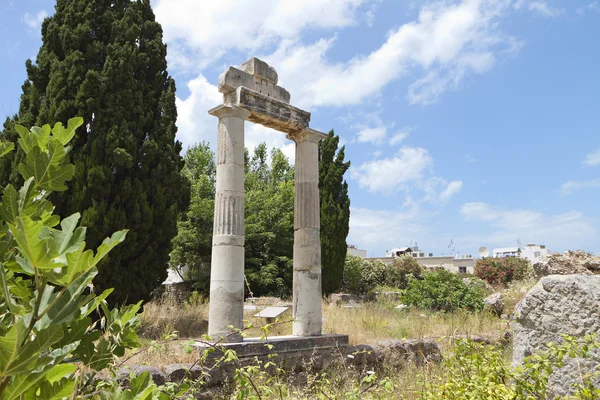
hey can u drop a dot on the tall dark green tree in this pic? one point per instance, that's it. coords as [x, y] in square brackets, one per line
[104, 60]
[335, 211]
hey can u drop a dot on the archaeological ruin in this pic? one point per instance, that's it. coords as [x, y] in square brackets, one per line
[251, 93]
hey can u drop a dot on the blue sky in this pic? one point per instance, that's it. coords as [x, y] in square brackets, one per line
[471, 122]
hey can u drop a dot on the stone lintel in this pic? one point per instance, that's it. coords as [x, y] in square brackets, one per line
[271, 112]
[307, 135]
[234, 78]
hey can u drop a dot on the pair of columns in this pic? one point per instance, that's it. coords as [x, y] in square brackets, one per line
[227, 266]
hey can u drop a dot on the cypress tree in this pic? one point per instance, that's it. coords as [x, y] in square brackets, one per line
[335, 211]
[104, 60]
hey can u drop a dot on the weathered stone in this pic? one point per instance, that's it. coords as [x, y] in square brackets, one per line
[178, 372]
[227, 261]
[260, 69]
[567, 263]
[559, 305]
[495, 303]
[414, 351]
[125, 373]
[388, 296]
[271, 112]
[251, 93]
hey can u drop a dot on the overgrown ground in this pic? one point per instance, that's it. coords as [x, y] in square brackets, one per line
[367, 324]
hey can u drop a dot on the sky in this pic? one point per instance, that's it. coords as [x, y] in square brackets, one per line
[467, 122]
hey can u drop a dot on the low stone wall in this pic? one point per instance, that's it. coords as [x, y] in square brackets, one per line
[313, 354]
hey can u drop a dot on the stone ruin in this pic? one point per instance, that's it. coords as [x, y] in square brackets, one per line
[251, 93]
[559, 305]
[569, 262]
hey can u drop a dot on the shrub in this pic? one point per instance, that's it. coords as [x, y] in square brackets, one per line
[502, 270]
[404, 269]
[477, 371]
[47, 338]
[362, 276]
[442, 290]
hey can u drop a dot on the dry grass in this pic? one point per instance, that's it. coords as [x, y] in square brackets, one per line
[367, 324]
[376, 321]
[165, 315]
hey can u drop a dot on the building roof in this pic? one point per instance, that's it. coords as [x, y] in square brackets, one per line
[506, 250]
[401, 249]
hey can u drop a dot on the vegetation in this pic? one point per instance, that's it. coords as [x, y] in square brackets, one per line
[404, 269]
[269, 223]
[335, 211]
[503, 271]
[192, 247]
[47, 339]
[476, 371]
[363, 276]
[441, 290]
[105, 61]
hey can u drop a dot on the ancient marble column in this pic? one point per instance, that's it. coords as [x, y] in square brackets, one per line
[227, 264]
[307, 291]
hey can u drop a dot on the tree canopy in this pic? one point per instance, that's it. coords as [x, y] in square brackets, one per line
[105, 61]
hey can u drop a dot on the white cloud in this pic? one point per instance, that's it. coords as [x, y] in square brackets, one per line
[438, 190]
[400, 135]
[389, 174]
[212, 28]
[569, 230]
[592, 158]
[453, 188]
[374, 135]
[448, 41]
[543, 8]
[34, 22]
[569, 187]
[193, 121]
[377, 230]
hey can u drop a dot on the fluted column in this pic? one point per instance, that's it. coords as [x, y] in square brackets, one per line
[227, 263]
[307, 291]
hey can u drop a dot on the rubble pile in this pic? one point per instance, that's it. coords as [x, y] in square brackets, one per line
[567, 263]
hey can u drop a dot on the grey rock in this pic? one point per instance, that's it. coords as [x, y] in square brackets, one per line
[414, 351]
[559, 305]
[495, 303]
[178, 372]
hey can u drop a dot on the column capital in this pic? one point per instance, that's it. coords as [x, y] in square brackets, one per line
[306, 135]
[229, 110]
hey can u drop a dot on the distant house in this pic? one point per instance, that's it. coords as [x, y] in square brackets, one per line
[458, 264]
[535, 253]
[502, 252]
[398, 251]
[353, 251]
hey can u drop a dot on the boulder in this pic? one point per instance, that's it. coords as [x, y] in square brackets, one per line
[559, 305]
[495, 303]
[339, 299]
[413, 351]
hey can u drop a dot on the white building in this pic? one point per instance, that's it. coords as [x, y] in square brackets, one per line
[534, 253]
[457, 264]
[353, 251]
[506, 252]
